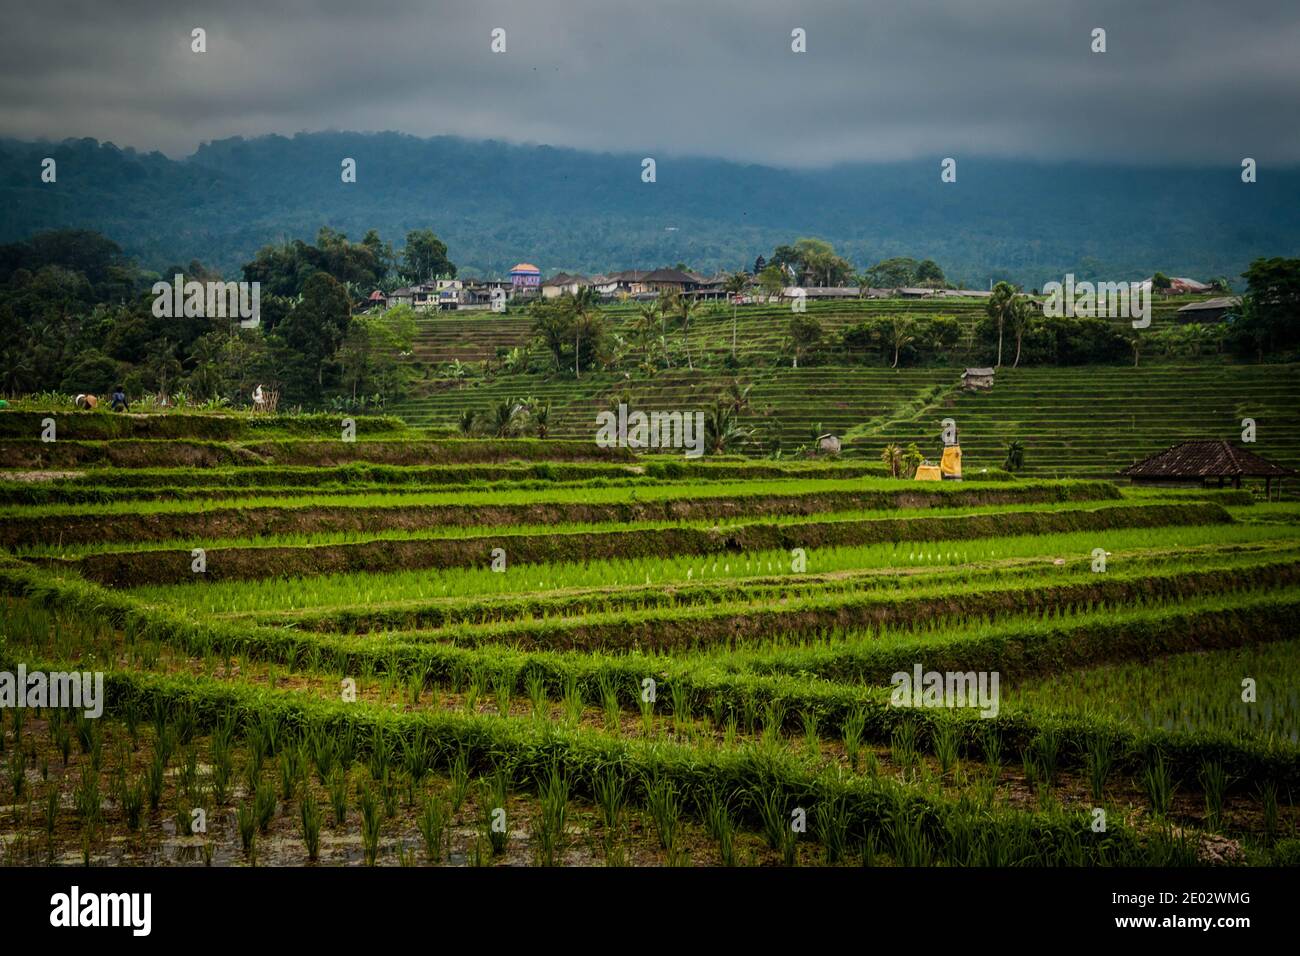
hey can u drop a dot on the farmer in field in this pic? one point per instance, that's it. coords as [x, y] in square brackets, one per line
[118, 402]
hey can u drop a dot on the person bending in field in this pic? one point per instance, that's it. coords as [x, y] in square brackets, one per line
[118, 402]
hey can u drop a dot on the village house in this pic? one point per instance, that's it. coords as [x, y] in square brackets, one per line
[709, 288]
[668, 281]
[525, 279]
[638, 283]
[1178, 285]
[1210, 310]
[564, 284]
[625, 283]
[440, 295]
[962, 294]
[829, 292]
[477, 293]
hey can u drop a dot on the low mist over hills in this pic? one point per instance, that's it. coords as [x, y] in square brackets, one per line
[496, 204]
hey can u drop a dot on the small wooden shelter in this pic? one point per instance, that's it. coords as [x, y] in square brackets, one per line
[1203, 460]
[1209, 310]
[974, 378]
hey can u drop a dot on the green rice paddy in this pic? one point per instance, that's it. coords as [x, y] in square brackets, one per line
[649, 666]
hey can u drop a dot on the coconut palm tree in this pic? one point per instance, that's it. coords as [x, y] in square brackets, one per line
[1021, 315]
[507, 418]
[722, 429]
[900, 337]
[644, 330]
[1000, 308]
[735, 285]
[685, 310]
[738, 395]
[582, 306]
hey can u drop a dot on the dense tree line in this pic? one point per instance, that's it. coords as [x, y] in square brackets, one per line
[80, 317]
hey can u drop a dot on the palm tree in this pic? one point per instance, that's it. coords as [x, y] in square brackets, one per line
[892, 456]
[541, 415]
[901, 337]
[722, 429]
[582, 307]
[664, 305]
[912, 459]
[739, 395]
[468, 420]
[644, 330]
[1015, 455]
[735, 285]
[685, 309]
[507, 418]
[1001, 306]
[1020, 316]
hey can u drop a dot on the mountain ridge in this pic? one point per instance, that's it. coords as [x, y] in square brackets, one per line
[496, 203]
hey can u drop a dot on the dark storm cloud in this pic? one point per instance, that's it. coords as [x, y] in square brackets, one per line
[1195, 82]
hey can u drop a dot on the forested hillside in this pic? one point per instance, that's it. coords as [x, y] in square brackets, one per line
[495, 204]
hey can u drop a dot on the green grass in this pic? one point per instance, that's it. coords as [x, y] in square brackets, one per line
[1189, 693]
[369, 590]
[428, 531]
[736, 491]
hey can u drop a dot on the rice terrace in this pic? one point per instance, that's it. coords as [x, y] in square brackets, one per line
[771, 462]
[411, 647]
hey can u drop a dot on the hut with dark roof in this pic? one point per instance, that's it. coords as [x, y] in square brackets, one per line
[1209, 310]
[1201, 461]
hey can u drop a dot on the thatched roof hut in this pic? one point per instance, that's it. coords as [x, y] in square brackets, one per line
[1205, 459]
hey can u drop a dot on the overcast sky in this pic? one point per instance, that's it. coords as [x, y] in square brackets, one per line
[1193, 81]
